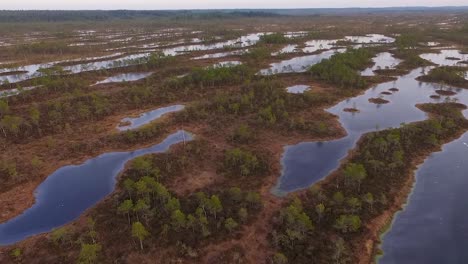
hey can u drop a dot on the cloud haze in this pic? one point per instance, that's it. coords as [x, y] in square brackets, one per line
[213, 4]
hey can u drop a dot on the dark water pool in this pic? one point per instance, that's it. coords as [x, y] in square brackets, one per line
[70, 190]
[433, 227]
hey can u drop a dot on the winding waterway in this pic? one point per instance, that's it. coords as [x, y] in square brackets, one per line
[72, 189]
[308, 162]
[125, 77]
[433, 228]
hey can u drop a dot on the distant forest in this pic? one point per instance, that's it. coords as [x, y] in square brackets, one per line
[102, 15]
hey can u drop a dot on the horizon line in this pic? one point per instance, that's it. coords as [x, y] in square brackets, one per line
[245, 8]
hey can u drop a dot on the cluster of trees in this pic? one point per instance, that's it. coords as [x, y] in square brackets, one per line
[240, 162]
[319, 128]
[149, 213]
[242, 134]
[61, 114]
[449, 75]
[213, 76]
[405, 42]
[274, 38]
[407, 51]
[150, 131]
[255, 55]
[343, 69]
[152, 211]
[65, 238]
[159, 59]
[362, 189]
[57, 115]
[265, 103]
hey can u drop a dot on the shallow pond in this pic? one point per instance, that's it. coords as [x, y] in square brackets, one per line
[446, 57]
[298, 64]
[107, 64]
[433, 226]
[308, 162]
[290, 48]
[145, 118]
[227, 64]
[298, 89]
[125, 77]
[370, 39]
[244, 41]
[220, 54]
[296, 34]
[71, 190]
[319, 44]
[384, 60]
[33, 71]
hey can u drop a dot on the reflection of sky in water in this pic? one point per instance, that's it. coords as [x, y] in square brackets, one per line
[287, 49]
[298, 64]
[383, 60]
[441, 58]
[126, 77]
[298, 89]
[308, 162]
[145, 118]
[433, 226]
[32, 70]
[71, 190]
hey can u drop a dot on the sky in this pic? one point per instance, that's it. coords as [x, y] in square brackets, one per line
[215, 4]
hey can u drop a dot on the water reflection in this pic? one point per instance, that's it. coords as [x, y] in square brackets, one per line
[305, 163]
[298, 89]
[125, 77]
[384, 60]
[70, 190]
[145, 118]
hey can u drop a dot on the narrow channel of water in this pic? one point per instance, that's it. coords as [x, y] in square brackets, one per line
[125, 77]
[71, 190]
[146, 118]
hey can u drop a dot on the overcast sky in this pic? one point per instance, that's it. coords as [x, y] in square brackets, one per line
[211, 4]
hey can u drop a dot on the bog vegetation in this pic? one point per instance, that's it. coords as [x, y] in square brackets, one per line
[214, 190]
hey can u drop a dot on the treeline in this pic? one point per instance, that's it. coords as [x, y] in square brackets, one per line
[343, 69]
[328, 224]
[9, 16]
